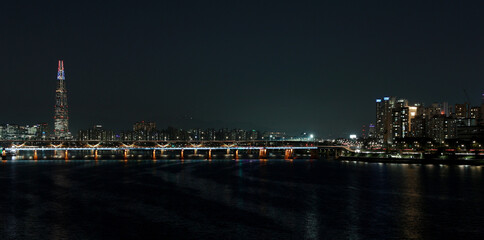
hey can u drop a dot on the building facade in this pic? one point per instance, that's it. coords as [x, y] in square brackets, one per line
[61, 110]
[438, 122]
[384, 110]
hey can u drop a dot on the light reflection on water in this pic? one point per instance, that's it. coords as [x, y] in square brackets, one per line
[111, 199]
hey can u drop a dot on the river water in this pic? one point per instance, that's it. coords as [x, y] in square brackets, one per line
[243, 199]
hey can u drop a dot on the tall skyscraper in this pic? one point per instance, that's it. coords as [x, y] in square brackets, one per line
[380, 119]
[61, 112]
[384, 118]
[400, 119]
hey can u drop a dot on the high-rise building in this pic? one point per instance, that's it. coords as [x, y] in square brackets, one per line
[23, 132]
[43, 130]
[144, 126]
[434, 110]
[413, 111]
[97, 132]
[462, 110]
[379, 126]
[419, 126]
[400, 119]
[61, 111]
[144, 130]
[441, 127]
[437, 122]
[384, 109]
[475, 113]
[371, 130]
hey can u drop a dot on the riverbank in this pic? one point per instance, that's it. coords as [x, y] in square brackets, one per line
[447, 161]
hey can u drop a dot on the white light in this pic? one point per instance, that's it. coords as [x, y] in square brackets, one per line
[311, 136]
[353, 136]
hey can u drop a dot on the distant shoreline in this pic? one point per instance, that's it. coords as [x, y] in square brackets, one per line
[474, 162]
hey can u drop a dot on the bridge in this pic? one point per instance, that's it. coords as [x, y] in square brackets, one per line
[258, 149]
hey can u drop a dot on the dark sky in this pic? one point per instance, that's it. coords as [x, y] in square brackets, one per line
[295, 66]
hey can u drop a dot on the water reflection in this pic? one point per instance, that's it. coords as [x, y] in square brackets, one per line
[352, 208]
[255, 199]
[411, 214]
[311, 219]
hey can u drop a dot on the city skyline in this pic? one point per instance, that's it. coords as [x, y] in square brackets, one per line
[60, 125]
[398, 120]
[238, 65]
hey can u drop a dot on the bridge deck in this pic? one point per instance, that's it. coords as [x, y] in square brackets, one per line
[150, 148]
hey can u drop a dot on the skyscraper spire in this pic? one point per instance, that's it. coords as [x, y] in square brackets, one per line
[61, 112]
[60, 71]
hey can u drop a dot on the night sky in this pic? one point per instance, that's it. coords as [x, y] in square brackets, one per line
[294, 66]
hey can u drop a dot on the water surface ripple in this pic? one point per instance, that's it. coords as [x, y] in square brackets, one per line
[243, 199]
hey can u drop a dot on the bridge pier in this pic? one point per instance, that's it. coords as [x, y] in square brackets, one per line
[95, 155]
[66, 155]
[262, 153]
[181, 153]
[338, 153]
[209, 153]
[35, 155]
[314, 154]
[289, 154]
[237, 154]
[154, 154]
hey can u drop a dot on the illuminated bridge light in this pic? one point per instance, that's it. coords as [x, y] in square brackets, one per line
[154, 148]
